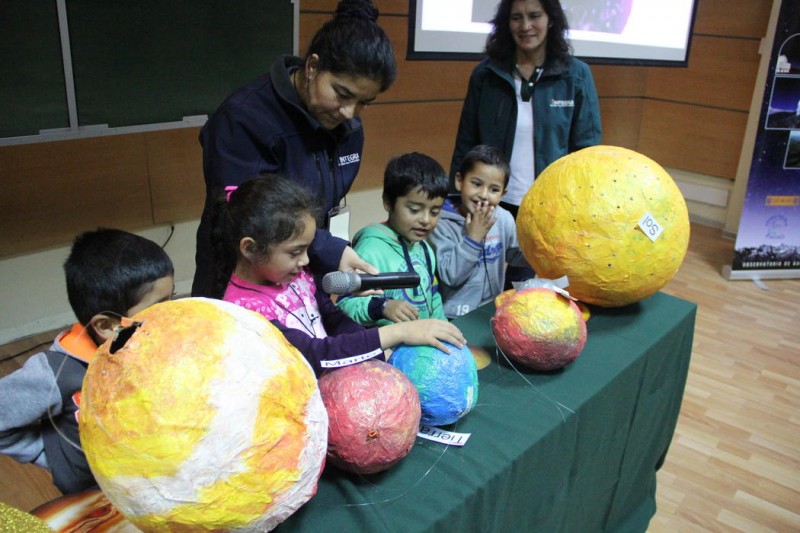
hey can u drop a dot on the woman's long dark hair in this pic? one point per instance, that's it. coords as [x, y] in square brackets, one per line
[353, 43]
[268, 209]
[500, 44]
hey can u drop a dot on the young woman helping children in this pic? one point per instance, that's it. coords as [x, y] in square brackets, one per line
[301, 120]
[267, 225]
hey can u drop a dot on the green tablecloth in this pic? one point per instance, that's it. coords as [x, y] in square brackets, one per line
[574, 450]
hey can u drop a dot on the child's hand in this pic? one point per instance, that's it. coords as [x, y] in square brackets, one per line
[435, 332]
[429, 331]
[400, 311]
[480, 221]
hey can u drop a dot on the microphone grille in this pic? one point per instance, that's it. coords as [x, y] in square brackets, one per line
[340, 282]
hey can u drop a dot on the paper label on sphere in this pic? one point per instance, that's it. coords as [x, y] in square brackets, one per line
[537, 282]
[337, 363]
[556, 285]
[443, 437]
[650, 226]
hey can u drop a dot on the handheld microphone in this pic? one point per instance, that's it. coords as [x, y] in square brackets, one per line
[345, 282]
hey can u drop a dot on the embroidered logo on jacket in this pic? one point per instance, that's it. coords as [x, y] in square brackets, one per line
[349, 159]
[562, 103]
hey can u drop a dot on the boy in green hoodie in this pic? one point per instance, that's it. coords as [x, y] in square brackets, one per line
[414, 189]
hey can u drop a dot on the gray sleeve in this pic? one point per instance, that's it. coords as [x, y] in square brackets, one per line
[26, 397]
[456, 254]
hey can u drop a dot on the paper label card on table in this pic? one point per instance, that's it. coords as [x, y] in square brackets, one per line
[444, 437]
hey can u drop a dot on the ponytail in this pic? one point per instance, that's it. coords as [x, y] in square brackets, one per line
[353, 43]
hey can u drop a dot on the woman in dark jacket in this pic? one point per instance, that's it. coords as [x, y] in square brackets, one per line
[530, 97]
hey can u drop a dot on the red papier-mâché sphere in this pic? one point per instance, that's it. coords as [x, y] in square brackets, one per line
[538, 328]
[374, 414]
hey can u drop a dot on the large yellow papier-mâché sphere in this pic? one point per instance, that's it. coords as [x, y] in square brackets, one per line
[203, 418]
[581, 219]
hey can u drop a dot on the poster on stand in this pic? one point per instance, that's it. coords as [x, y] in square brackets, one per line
[768, 239]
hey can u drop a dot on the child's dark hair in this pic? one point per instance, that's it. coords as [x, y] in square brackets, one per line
[269, 209]
[353, 43]
[110, 271]
[488, 155]
[408, 172]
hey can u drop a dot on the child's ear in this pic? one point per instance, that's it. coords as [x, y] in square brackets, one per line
[247, 247]
[459, 181]
[387, 205]
[102, 327]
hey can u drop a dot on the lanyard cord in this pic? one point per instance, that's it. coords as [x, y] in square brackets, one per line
[526, 88]
[410, 267]
[312, 316]
[487, 277]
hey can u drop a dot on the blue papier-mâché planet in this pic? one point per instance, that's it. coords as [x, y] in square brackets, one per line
[447, 383]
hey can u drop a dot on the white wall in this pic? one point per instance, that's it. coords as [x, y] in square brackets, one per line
[33, 297]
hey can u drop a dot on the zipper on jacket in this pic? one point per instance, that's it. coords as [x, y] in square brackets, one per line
[332, 170]
[500, 111]
[538, 73]
[322, 183]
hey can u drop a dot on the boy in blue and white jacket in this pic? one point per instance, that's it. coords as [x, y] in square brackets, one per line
[475, 236]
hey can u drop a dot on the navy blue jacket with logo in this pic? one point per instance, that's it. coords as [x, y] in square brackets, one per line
[565, 109]
[263, 128]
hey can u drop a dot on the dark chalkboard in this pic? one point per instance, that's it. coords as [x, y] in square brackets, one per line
[32, 95]
[140, 62]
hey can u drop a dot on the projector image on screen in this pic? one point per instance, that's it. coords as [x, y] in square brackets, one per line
[483, 10]
[606, 16]
[601, 31]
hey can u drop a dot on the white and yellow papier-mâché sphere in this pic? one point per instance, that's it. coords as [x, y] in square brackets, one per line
[205, 419]
[581, 218]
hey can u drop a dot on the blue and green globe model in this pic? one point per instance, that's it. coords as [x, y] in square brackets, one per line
[447, 383]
